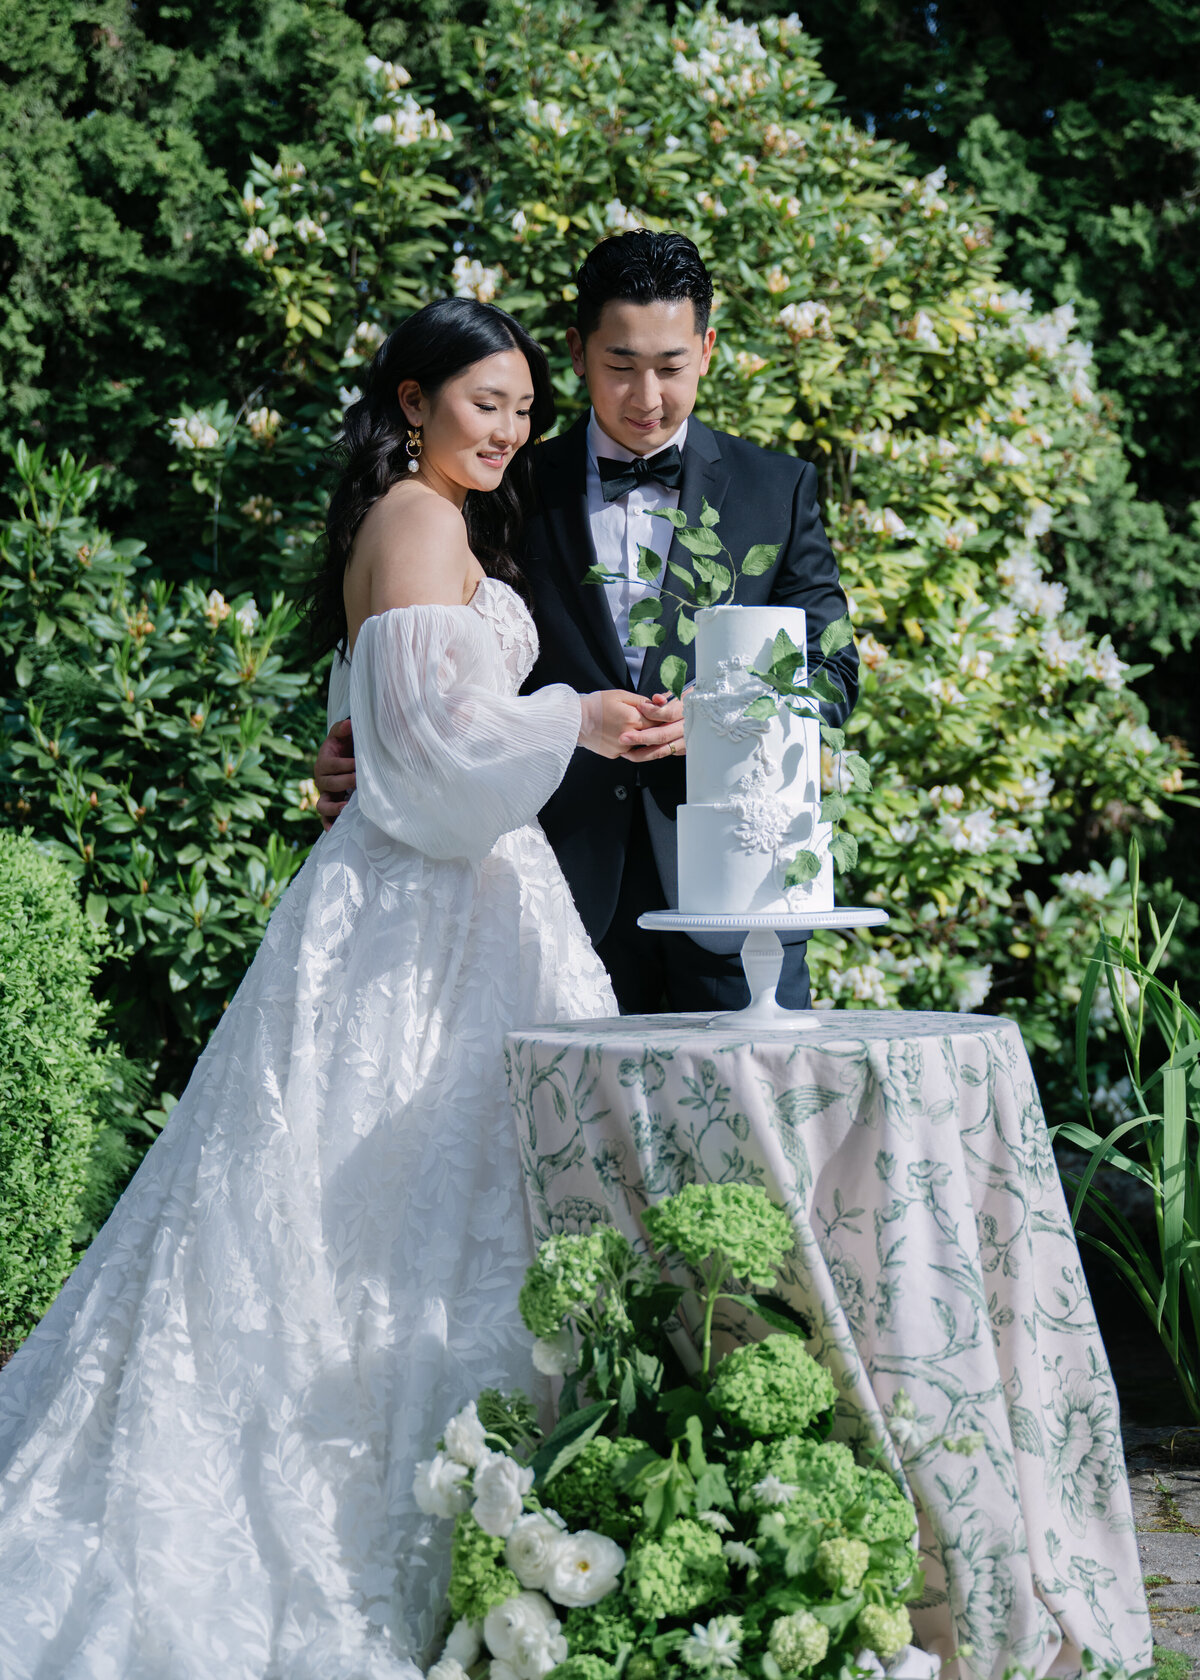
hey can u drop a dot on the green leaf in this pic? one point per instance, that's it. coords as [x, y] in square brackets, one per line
[708, 515]
[825, 688]
[45, 629]
[672, 673]
[860, 771]
[781, 1316]
[844, 848]
[24, 670]
[676, 516]
[649, 564]
[766, 706]
[836, 636]
[834, 739]
[699, 541]
[833, 807]
[567, 1440]
[760, 559]
[651, 607]
[646, 635]
[685, 629]
[805, 866]
[597, 574]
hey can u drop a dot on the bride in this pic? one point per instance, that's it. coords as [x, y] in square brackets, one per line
[207, 1445]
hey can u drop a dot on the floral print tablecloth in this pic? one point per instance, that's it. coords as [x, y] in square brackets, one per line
[935, 1258]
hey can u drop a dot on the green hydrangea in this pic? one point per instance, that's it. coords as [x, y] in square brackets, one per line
[644, 1665]
[886, 1632]
[479, 1577]
[883, 1511]
[585, 1494]
[677, 1574]
[798, 1642]
[823, 1474]
[601, 1628]
[583, 1668]
[738, 1221]
[841, 1564]
[773, 1387]
[566, 1275]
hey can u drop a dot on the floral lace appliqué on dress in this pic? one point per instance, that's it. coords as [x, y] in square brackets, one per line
[207, 1446]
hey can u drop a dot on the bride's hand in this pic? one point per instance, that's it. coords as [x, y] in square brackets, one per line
[607, 716]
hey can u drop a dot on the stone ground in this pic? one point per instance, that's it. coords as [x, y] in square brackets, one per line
[1164, 1477]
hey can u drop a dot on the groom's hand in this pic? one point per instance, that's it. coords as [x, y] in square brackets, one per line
[334, 772]
[661, 732]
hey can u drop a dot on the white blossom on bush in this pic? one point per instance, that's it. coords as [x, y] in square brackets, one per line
[193, 431]
[466, 1438]
[810, 319]
[471, 278]
[971, 987]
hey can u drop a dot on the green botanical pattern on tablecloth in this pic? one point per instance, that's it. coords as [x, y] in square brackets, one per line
[934, 1258]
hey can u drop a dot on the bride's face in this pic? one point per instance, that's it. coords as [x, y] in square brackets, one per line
[473, 426]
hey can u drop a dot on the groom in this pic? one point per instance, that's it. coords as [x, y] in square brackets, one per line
[642, 342]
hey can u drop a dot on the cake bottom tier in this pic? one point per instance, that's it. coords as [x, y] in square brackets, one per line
[721, 875]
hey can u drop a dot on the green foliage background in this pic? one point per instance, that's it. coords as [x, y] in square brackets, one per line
[209, 217]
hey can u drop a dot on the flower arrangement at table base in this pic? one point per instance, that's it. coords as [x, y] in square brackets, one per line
[671, 1525]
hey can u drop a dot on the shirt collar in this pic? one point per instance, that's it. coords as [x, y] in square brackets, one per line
[599, 443]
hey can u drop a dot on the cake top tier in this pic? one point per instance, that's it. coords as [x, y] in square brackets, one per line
[744, 635]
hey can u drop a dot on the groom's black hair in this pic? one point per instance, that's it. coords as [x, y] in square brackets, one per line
[642, 267]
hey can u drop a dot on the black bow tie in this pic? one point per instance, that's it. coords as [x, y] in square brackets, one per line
[618, 478]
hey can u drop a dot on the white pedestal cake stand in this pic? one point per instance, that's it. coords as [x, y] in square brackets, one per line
[762, 955]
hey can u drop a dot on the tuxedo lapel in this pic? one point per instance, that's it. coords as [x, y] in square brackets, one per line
[563, 477]
[705, 479]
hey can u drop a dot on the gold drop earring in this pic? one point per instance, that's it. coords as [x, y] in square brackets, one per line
[413, 448]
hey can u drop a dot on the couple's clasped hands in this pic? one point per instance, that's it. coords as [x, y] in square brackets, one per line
[637, 727]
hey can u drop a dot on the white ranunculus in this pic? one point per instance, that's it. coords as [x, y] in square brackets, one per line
[437, 1486]
[466, 1438]
[498, 1670]
[447, 1669]
[464, 1642]
[584, 1568]
[525, 1633]
[500, 1488]
[531, 1547]
[554, 1356]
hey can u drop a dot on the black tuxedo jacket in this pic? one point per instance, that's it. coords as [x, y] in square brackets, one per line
[761, 498]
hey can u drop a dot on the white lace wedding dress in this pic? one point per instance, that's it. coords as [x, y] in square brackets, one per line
[207, 1446]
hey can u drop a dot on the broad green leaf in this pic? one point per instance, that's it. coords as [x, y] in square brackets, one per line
[823, 685]
[805, 866]
[565, 1443]
[646, 634]
[760, 559]
[763, 707]
[834, 739]
[708, 515]
[675, 516]
[860, 771]
[833, 807]
[651, 607]
[836, 636]
[673, 674]
[699, 541]
[844, 848]
[649, 564]
[685, 629]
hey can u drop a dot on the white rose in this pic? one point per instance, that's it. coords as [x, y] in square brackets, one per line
[466, 1438]
[584, 1568]
[500, 1487]
[447, 1669]
[498, 1670]
[531, 1548]
[437, 1487]
[524, 1633]
[554, 1356]
[463, 1643]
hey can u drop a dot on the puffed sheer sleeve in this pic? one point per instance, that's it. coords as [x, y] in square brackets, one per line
[446, 760]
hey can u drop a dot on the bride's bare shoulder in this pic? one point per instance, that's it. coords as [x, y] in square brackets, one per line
[411, 549]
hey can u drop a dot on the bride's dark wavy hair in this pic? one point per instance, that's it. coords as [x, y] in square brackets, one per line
[432, 346]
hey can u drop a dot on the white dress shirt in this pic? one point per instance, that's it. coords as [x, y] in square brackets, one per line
[619, 527]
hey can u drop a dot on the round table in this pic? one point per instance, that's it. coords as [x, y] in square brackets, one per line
[935, 1258]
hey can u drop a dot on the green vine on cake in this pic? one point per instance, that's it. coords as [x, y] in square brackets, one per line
[711, 582]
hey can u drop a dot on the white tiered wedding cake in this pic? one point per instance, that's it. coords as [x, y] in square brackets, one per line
[753, 784]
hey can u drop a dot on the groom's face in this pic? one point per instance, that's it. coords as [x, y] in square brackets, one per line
[643, 364]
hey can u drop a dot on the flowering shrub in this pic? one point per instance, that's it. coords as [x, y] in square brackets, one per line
[147, 745]
[861, 321]
[650, 1533]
